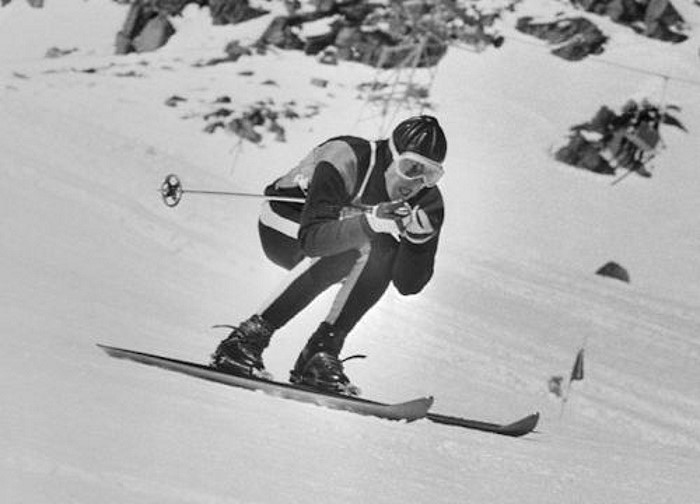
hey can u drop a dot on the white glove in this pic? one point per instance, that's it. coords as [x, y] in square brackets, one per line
[417, 227]
[385, 217]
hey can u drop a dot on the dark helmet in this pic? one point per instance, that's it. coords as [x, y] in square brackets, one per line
[423, 135]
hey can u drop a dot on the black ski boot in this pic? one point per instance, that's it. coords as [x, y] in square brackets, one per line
[318, 365]
[241, 352]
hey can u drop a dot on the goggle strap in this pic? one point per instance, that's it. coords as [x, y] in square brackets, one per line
[413, 156]
[392, 148]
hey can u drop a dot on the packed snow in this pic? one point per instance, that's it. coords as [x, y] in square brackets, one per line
[89, 254]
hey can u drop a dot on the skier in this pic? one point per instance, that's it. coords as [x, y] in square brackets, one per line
[371, 217]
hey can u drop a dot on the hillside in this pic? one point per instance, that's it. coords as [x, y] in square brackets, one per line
[90, 254]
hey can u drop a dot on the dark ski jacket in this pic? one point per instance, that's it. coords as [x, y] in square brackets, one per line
[336, 178]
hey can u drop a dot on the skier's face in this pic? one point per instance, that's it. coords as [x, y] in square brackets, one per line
[399, 187]
[409, 173]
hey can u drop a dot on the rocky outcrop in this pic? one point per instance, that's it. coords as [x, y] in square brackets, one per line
[610, 141]
[656, 19]
[147, 26]
[382, 35]
[614, 270]
[576, 38]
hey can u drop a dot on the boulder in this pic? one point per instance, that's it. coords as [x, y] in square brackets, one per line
[577, 37]
[614, 270]
[233, 11]
[629, 139]
[656, 19]
[154, 34]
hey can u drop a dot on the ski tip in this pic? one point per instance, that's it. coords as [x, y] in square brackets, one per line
[413, 410]
[524, 425]
[112, 351]
[518, 428]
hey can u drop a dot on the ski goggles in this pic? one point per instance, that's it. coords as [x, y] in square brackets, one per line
[412, 166]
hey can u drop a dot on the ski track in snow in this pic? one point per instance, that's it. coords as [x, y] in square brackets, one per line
[90, 254]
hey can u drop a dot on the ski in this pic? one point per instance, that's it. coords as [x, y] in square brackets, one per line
[409, 410]
[518, 428]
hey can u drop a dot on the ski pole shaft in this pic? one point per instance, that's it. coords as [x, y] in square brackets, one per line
[288, 199]
[171, 191]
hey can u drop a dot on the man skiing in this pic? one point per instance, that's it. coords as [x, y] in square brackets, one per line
[371, 217]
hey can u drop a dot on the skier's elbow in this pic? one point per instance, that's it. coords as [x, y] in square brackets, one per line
[409, 288]
[409, 291]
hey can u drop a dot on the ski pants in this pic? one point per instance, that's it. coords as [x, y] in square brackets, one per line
[364, 275]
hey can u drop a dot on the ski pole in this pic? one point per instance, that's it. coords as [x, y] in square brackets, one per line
[171, 190]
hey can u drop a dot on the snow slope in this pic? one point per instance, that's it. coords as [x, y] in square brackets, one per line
[90, 254]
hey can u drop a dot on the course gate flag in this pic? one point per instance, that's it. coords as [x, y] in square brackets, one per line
[577, 371]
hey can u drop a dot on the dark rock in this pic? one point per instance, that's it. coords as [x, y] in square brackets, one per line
[577, 37]
[656, 19]
[155, 34]
[233, 11]
[234, 50]
[629, 139]
[174, 100]
[614, 270]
